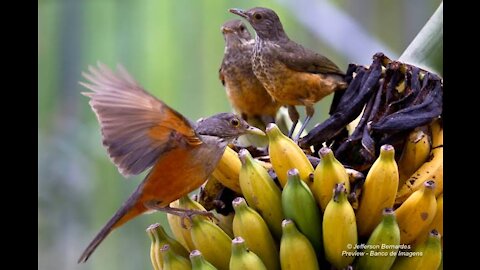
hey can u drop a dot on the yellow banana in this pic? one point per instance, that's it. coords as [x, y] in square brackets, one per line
[244, 259]
[172, 261]
[211, 241]
[249, 225]
[378, 191]
[415, 152]
[437, 223]
[417, 212]
[261, 192]
[154, 251]
[300, 206]
[198, 261]
[285, 154]
[431, 169]
[296, 252]
[427, 255]
[228, 169]
[182, 234]
[339, 230]
[163, 238]
[328, 173]
[382, 245]
[225, 222]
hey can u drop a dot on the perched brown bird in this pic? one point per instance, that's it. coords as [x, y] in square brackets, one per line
[140, 131]
[293, 75]
[244, 91]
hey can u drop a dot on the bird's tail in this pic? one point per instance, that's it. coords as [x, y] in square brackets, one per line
[130, 209]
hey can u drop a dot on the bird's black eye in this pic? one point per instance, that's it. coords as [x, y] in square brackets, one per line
[258, 16]
[242, 28]
[234, 122]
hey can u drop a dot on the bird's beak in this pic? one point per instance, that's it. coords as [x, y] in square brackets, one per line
[255, 131]
[226, 29]
[239, 12]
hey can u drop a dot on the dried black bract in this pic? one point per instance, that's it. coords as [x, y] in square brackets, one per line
[394, 102]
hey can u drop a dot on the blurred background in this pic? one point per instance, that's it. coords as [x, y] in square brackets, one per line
[173, 49]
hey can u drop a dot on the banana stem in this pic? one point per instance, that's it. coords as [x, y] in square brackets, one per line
[426, 49]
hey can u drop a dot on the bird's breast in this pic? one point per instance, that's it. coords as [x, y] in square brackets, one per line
[179, 172]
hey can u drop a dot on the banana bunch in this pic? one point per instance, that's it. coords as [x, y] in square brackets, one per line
[372, 199]
[292, 211]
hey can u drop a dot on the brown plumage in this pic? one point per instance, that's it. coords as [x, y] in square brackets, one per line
[140, 131]
[291, 73]
[245, 92]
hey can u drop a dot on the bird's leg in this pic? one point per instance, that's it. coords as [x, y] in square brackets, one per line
[309, 111]
[294, 116]
[181, 212]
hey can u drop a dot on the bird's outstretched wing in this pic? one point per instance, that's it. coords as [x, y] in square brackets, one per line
[136, 127]
[299, 58]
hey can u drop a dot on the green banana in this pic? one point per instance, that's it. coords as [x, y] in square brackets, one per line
[378, 191]
[249, 225]
[328, 173]
[382, 245]
[261, 193]
[295, 249]
[212, 241]
[417, 212]
[172, 261]
[244, 259]
[299, 205]
[199, 262]
[427, 255]
[339, 230]
[285, 154]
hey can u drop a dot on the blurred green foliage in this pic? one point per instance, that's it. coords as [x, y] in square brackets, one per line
[173, 49]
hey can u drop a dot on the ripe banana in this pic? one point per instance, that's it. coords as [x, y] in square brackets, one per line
[339, 230]
[228, 169]
[211, 241]
[154, 251]
[417, 212]
[378, 191]
[300, 206]
[224, 222]
[163, 238]
[198, 261]
[415, 152]
[244, 259]
[382, 245]
[437, 223]
[295, 249]
[177, 230]
[431, 169]
[328, 173]
[172, 261]
[261, 193]
[285, 154]
[427, 255]
[182, 234]
[249, 225]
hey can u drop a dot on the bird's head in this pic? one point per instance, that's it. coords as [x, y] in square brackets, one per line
[226, 126]
[235, 32]
[265, 21]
